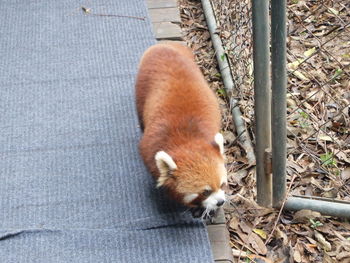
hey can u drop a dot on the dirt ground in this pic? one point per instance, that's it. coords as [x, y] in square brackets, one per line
[318, 91]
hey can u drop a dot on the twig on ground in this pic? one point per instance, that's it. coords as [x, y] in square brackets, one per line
[249, 235]
[281, 209]
[88, 12]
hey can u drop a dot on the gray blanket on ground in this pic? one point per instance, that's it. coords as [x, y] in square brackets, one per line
[72, 185]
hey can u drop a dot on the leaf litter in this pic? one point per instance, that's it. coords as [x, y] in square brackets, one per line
[318, 121]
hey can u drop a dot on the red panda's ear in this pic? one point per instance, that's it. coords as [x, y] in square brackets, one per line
[165, 164]
[219, 139]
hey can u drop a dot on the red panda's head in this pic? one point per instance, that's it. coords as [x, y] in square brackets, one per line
[195, 174]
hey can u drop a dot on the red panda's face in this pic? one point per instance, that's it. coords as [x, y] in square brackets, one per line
[204, 192]
[196, 179]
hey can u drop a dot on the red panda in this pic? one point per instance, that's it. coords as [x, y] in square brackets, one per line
[180, 119]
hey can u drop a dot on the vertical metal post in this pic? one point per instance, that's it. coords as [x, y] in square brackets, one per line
[261, 54]
[279, 107]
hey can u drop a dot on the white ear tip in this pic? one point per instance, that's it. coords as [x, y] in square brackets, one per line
[219, 139]
[162, 156]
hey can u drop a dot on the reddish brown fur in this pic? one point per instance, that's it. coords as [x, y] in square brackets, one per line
[179, 115]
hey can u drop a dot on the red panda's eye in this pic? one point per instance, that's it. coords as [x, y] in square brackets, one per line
[207, 192]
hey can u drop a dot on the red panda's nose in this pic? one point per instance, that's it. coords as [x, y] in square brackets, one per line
[220, 202]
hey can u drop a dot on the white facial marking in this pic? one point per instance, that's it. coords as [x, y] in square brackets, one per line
[164, 163]
[220, 141]
[207, 187]
[211, 202]
[189, 198]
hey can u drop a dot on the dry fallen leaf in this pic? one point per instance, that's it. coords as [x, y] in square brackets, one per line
[309, 52]
[343, 255]
[259, 259]
[324, 137]
[279, 234]
[304, 216]
[257, 243]
[239, 253]
[229, 137]
[342, 156]
[324, 243]
[345, 174]
[234, 223]
[260, 232]
[294, 65]
[245, 228]
[300, 75]
[333, 11]
[297, 256]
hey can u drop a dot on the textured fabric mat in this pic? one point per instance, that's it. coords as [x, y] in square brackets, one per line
[72, 185]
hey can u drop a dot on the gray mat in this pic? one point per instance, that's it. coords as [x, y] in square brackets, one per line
[72, 185]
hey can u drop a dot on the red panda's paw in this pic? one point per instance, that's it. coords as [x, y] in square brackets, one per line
[198, 212]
